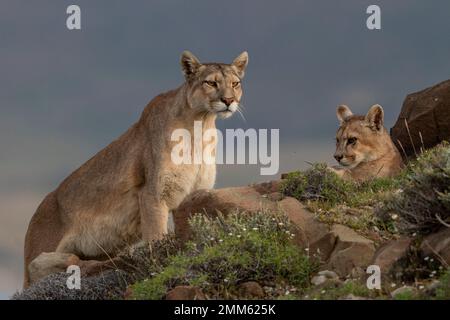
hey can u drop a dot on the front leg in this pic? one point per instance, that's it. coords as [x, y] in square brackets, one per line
[154, 215]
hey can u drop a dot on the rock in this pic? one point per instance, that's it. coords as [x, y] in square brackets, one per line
[185, 293]
[357, 273]
[438, 246]
[260, 197]
[323, 247]
[325, 276]
[275, 196]
[267, 187]
[403, 290]
[351, 250]
[328, 274]
[427, 113]
[318, 280]
[226, 200]
[251, 289]
[388, 256]
[309, 229]
[50, 262]
[53, 262]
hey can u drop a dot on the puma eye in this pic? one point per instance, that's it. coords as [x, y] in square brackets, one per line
[351, 140]
[235, 84]
[211, 83]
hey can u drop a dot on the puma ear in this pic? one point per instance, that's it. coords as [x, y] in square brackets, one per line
[343, 113]
[189, 64]
[240, 63]
[375, 117]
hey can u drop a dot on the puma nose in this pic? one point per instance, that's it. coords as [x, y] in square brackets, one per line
[227, 101]
[338, 157]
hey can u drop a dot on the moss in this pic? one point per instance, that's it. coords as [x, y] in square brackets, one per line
[225, 252]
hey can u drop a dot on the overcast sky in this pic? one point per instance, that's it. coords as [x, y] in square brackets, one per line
[64, 94]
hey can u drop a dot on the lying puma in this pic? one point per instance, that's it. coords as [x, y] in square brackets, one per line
[124, 193]
[364, 148]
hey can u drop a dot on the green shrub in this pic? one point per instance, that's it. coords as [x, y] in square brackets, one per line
[423, 202]
[325, 187]
[226, 251]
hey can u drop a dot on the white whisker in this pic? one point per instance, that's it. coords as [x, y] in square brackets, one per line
[240, 112]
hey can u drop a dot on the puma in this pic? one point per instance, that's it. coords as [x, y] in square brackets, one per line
[125, 192]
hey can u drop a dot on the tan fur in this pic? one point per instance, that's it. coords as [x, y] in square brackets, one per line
[364, 148]
[124, 193]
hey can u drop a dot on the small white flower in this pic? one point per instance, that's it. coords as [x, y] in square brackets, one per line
[323, 291]
[255, 229]
[421, 287]
[292, 235]
[393, 285]
[212, 239]
[244, 229]
[394, 217]
[220, 240]
[230, 234]
[280, 223]
[238, 236]
[414, 234]
[306, 249]
[431, 260]
[426, 258]
[225, 280]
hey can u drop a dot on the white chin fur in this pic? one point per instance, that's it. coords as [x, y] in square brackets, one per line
[221, 109]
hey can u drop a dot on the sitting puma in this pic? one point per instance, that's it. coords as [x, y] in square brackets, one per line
[124, 193]
[364, 148]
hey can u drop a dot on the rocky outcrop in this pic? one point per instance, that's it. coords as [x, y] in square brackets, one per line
[226, 200]
[426, 114]
[308, 228]
[185, 293]
[251, 289]
[350, 250]
[389, 255]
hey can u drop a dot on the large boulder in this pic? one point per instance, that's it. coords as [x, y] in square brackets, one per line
[389, 255]
[308, 229]
[351, 251]
[259, 197]
[227, 200]
[426, 113]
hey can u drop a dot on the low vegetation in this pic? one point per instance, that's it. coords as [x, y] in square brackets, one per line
[418, 200]
[227, 251]
[423, 203]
